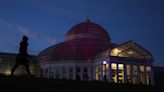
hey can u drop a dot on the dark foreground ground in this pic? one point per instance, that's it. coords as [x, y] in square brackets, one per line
[33, 84]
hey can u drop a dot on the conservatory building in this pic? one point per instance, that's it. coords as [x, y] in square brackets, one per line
[87, 53]
[125, 63]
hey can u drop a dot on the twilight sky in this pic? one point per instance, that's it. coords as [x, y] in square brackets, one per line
[46, 22]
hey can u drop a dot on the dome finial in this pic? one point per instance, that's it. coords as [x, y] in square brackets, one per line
[88, 20]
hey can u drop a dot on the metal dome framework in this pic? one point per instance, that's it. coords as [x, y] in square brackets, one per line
[87, 30]
[82, 42]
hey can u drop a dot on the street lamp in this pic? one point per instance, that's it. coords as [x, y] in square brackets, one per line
[104, 70]
[104, 62]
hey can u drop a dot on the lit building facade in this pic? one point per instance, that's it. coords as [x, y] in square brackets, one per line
[88, 54]
[125, 63]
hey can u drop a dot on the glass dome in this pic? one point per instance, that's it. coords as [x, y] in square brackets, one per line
[82, 42]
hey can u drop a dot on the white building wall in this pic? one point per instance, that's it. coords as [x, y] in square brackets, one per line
[67, 66]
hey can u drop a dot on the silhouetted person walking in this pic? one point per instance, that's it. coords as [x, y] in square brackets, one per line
[22, 57]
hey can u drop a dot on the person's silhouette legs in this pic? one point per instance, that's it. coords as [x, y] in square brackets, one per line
[27, 69]
[14, 68]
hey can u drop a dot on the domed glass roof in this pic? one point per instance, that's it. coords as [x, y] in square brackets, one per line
[87, 30]
[82, 42]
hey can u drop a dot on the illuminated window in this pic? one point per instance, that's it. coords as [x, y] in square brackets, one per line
[134, 74]
[142, 77]
[120, 73]
[148, 74]
[98, 73]
[7, 72]
[105, 70]
[130, 52]
[115, 52]
[130, 49]
[128, 73]
[114, 73]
